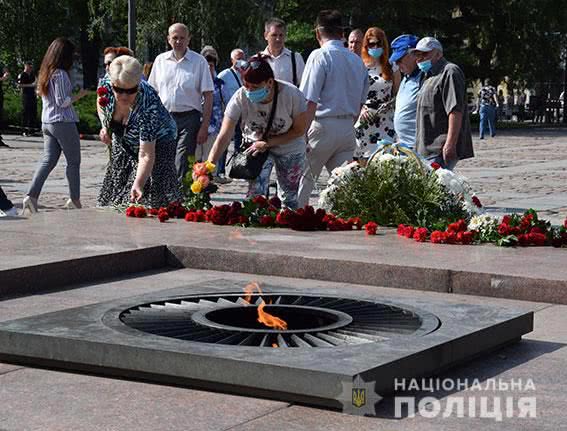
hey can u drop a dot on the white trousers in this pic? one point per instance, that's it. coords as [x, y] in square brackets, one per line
[331, 143]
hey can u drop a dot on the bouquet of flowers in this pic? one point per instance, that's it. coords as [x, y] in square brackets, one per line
[198, 186]
[398, 187]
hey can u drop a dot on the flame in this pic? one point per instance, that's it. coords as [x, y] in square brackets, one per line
[274, 345]
[269, 320]
[250, 289]
[263, 316]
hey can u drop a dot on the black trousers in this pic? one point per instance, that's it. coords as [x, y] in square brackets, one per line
[29, 103]
[5, 203]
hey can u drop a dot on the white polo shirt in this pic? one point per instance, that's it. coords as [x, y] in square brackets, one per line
[181, 83]
[283, 67]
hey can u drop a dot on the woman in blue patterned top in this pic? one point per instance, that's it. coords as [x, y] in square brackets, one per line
[142, 136]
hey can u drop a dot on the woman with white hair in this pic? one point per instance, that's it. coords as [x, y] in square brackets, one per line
[142, 136]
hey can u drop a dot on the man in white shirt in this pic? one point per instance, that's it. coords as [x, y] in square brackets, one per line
[286, 67]
[183, 80]
[335, 84]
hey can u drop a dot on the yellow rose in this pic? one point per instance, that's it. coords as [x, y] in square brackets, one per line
[196, 187]
[210, 166]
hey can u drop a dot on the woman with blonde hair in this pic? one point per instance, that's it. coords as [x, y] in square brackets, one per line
[59, 123]
[142, 136]
[376, 121]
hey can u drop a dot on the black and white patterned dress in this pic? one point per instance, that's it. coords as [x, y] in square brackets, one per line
[381, 107]
[149, 121]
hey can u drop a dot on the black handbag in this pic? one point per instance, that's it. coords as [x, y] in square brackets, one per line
[246, 166]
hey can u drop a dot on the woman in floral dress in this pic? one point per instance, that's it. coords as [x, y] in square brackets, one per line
[376, 120]
[142, 136]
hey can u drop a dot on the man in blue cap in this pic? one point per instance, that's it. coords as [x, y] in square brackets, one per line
[406, 99]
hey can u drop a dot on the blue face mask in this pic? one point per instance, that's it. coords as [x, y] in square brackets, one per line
[258, 95]
[375, 52]
[425, 66]
[240, 64]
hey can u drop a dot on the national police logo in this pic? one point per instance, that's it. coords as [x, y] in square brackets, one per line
[358, 397]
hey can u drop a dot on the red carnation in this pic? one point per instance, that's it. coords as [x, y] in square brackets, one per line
[476, 201]
[163, 216]
[409, 231]
[506, 219]
[131, 211]
[536, 230]
[451, 237]
[218, 214]
[523, 240]
[260, 200]
[435, 166]
[340, 224]
[458, 226]
[438, 237]
[266, 220]
[537, 238]
[190, 216]
[140, 212]
[101, 91]
[355, 221]
[503, 229]
[275, 202]
[420, 234]
[283, 218]
[467, 237]
[153, 211]
[103, 101]
[370, 228]
[401, 229]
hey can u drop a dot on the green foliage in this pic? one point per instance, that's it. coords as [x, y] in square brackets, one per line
[85, 108]
[88, 118]
[391, 194]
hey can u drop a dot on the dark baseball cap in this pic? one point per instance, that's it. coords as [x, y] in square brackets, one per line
[401, 45]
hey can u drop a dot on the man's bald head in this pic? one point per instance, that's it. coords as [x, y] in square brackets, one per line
[178, 27]
[178, 37]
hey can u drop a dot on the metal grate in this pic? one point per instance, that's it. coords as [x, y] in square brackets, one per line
[337, 321]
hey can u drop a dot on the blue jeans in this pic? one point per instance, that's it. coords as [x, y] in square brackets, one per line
[59, 138]
[487, 115]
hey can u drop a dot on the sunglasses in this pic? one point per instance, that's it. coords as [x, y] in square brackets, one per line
[374, 44]
[119, 90]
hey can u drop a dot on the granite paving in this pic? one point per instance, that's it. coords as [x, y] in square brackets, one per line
[516, 170]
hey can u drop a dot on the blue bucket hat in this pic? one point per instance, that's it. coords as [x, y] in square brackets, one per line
[401, 45]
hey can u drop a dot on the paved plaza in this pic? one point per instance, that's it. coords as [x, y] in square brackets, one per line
[516, 170]
[59, 259]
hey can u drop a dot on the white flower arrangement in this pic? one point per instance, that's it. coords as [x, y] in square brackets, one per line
[485, 225]
[398, 186]
[460, 188]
